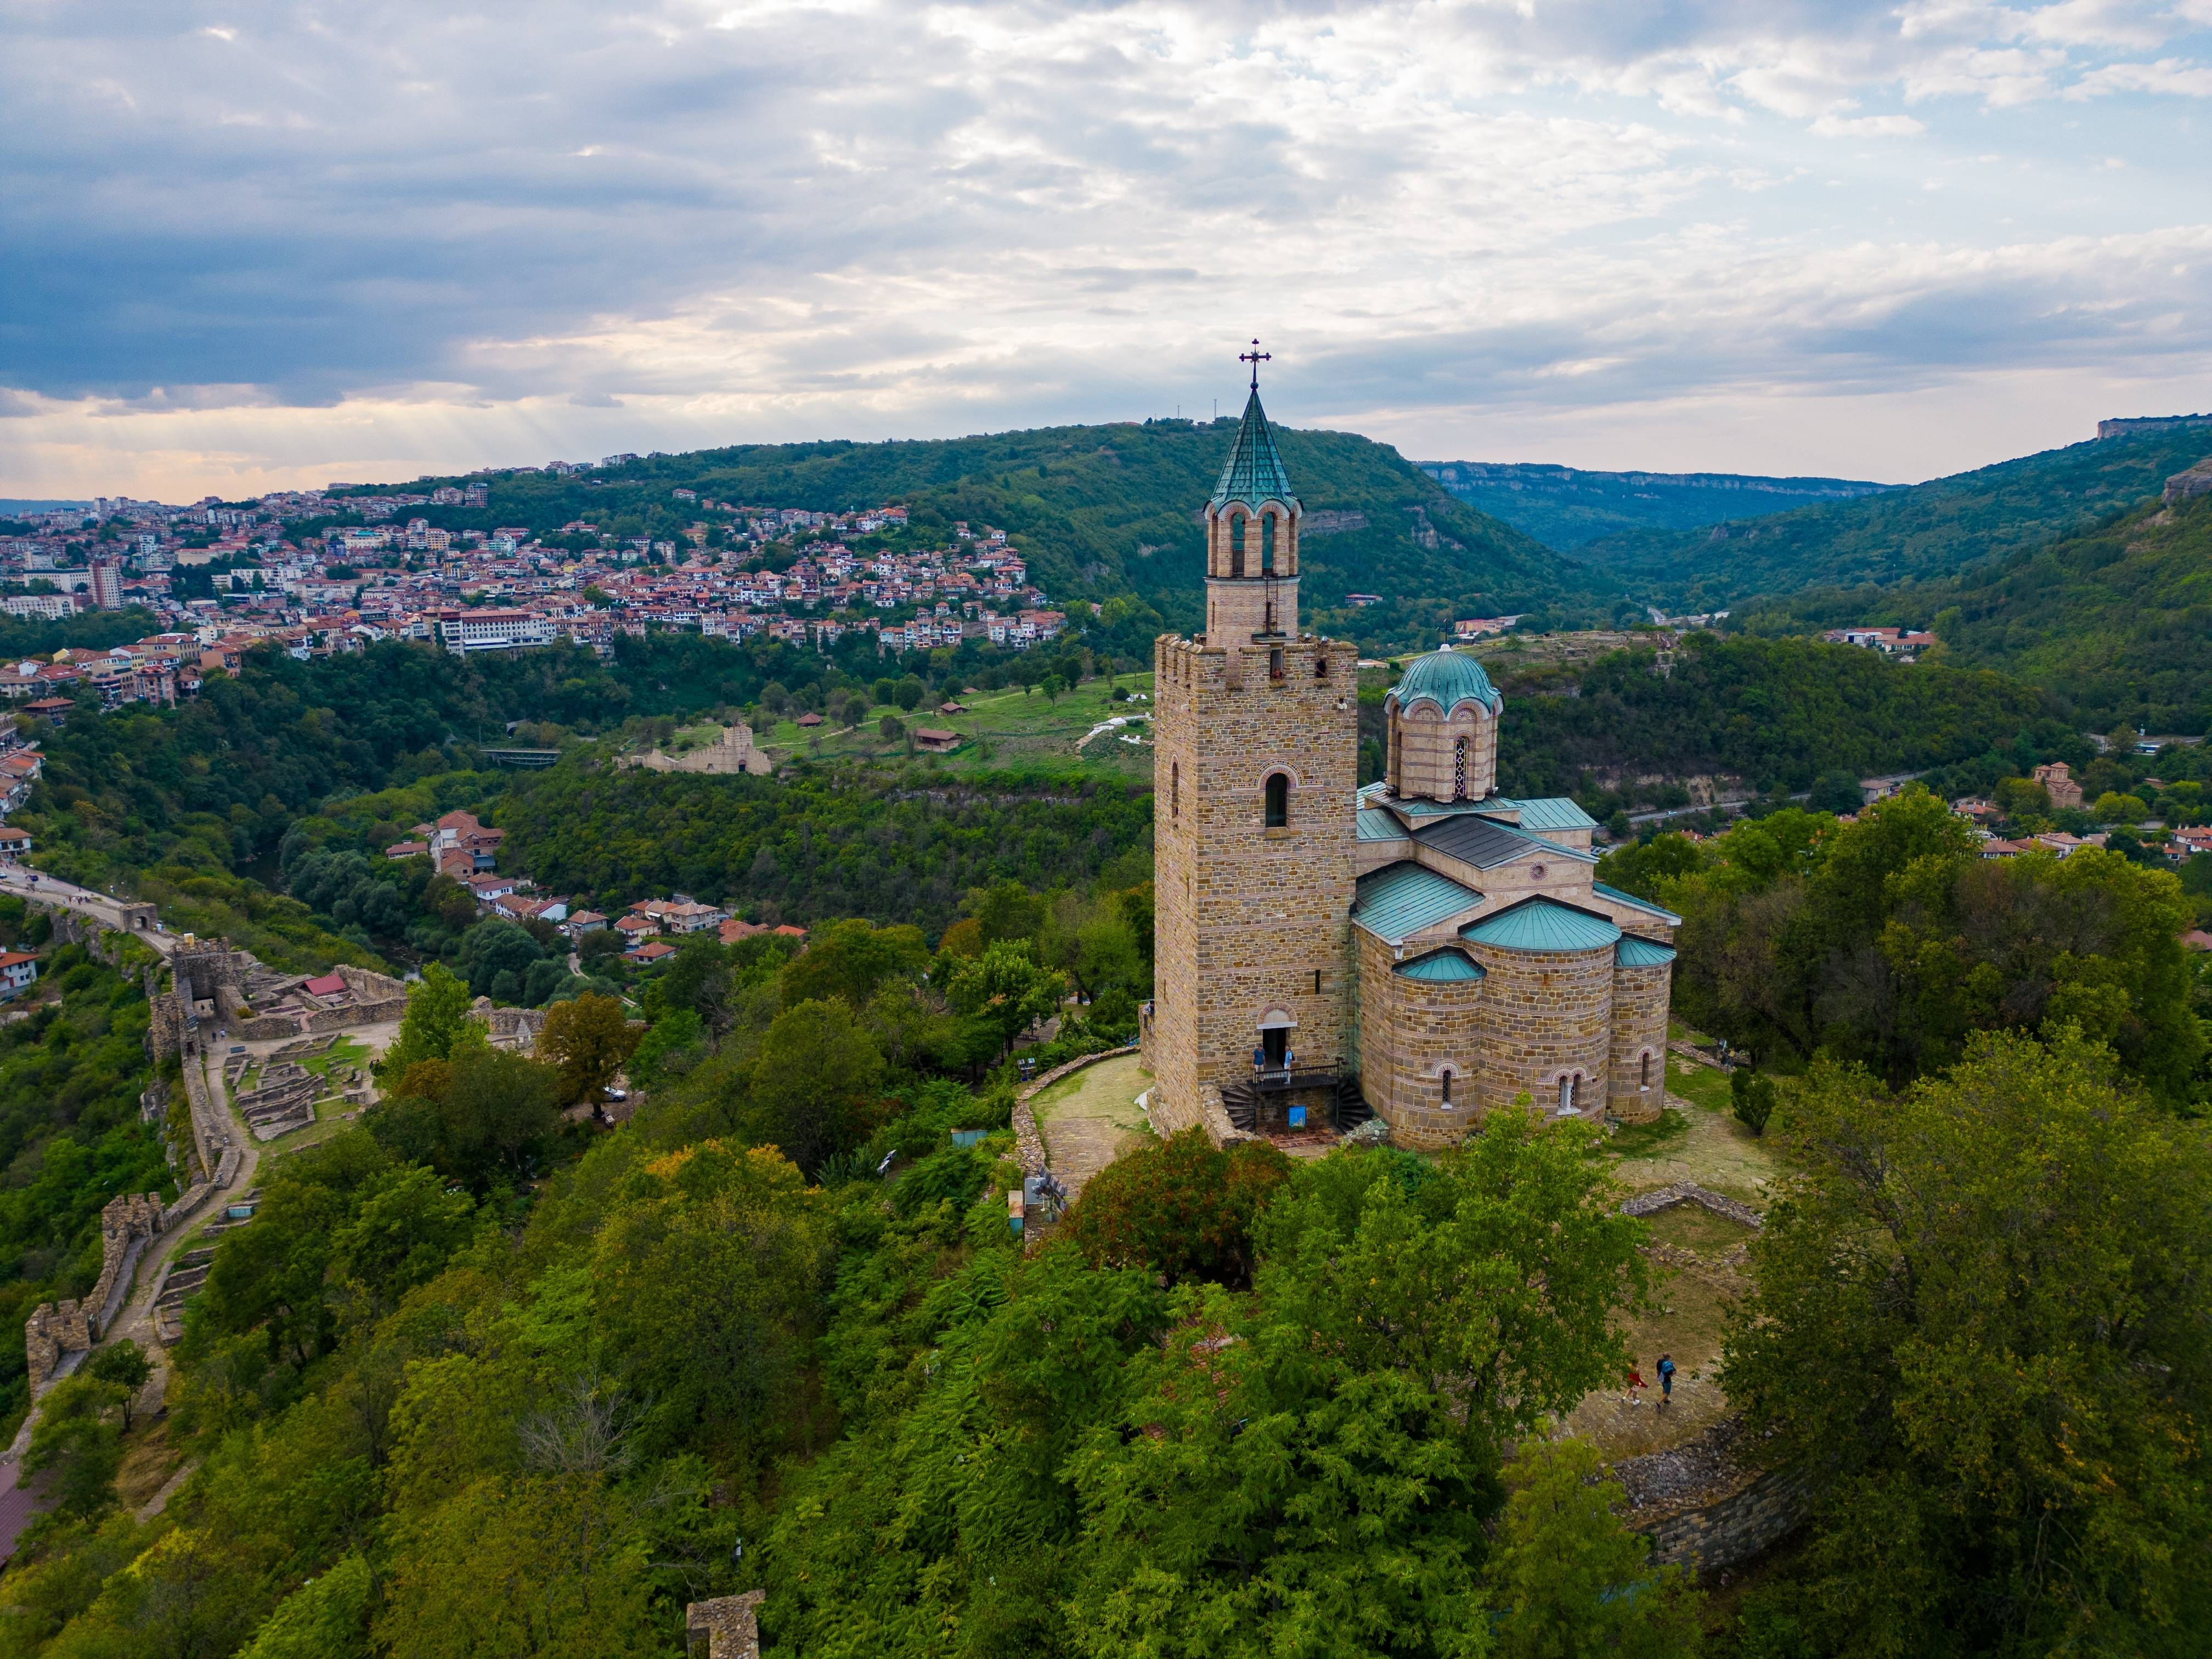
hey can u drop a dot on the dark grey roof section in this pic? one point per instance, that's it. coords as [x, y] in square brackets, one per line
[1476, 841]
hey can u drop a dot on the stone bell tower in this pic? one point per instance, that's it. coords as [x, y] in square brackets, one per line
[1256, 733]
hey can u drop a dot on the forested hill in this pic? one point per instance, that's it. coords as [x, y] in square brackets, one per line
[1926, 532]
[1564, 508]
[1104, 510]
[2116, 622]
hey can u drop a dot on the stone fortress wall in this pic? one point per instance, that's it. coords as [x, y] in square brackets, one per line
[731, 754]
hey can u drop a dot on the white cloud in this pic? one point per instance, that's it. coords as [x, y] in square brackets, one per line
[512, 228]
[2171, 76]
[1868, 126]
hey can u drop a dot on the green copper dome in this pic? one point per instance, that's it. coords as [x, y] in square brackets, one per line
[1446, 678]
[1254, 472]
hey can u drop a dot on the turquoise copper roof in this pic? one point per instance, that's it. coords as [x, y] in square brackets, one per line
[1399, 900]
[1373, 824]
[1443, 967]
[1620, 897]
[1254, 473]
[1446, 678]
[1545, 813]
[1542, 924]
[1634, 953]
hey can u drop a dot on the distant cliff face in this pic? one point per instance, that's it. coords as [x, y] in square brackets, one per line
[2151, 423]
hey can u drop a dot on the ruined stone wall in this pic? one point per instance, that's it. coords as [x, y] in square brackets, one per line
[1547, 1012]
[55, 1330]
[1249, 919]
[1708, 1503]
[1639, 1029]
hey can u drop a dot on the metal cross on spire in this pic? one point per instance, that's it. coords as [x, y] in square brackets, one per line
[1255, 357]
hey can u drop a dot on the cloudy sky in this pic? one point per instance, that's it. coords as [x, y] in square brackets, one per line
[244, 244]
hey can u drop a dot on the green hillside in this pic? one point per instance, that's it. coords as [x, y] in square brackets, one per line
[1927, 532]
[1107, 510]
[2117, 622]
[1564, 508]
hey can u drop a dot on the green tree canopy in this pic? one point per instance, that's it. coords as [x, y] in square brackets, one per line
[2003, 1393]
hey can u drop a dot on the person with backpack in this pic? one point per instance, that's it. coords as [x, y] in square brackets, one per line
[1666, 1378]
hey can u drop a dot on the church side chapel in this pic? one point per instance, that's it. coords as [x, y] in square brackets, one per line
[1419, 950]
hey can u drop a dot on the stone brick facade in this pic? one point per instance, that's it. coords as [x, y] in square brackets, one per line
[1253, 922]
[1264, 845]
[1636, 1091]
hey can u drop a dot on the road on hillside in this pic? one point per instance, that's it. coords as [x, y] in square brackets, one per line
[102, 907]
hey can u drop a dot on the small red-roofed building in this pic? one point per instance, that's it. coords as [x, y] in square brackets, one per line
[19, 971]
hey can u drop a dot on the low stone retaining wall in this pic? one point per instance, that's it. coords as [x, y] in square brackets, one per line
[1688, 1191]
[1705, 1505]
[1029, 1146]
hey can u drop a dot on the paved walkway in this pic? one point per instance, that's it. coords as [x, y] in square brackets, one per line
[1089, 1119]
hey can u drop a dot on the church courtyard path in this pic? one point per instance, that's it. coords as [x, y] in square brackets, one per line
[1089, 1119]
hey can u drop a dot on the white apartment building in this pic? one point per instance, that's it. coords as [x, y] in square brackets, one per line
[494, 631]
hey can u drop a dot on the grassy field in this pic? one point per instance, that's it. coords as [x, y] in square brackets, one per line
[1006, 730]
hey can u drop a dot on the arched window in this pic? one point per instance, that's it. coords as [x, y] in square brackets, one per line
[1447, 1083]
[1459, 768]
[1174, 790]
[1268, 563]
[1644, 1082]
[1567, 1093]
[1279, 800]
[1320, 665]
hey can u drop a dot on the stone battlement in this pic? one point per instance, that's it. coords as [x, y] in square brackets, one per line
[56, 1331]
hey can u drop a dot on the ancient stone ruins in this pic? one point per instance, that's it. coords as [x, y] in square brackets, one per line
[730, 753]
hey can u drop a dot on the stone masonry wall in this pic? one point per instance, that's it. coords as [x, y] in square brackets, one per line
[1639, 1029]
[1423, 742]
[55, 1330]
[1548, 1013]
[1249, 919]
[1410, 1030]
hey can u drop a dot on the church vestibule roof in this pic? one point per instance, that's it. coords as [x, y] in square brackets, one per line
[1399, 900]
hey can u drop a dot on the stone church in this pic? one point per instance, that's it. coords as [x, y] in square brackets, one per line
[1419, 950]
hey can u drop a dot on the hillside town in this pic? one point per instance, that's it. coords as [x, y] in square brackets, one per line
[222, 577]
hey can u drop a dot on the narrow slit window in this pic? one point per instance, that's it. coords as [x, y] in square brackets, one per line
[1645, 1081]
[1174, 790]
[1279, 801]
[1448, 1077]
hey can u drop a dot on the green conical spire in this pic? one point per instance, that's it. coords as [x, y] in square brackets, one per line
[1254, 472]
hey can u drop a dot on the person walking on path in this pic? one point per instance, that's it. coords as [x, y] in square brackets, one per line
[1666, 1378]
[1635, 1382]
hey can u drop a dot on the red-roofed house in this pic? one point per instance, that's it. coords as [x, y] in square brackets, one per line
[19, 971]
[652, 951]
